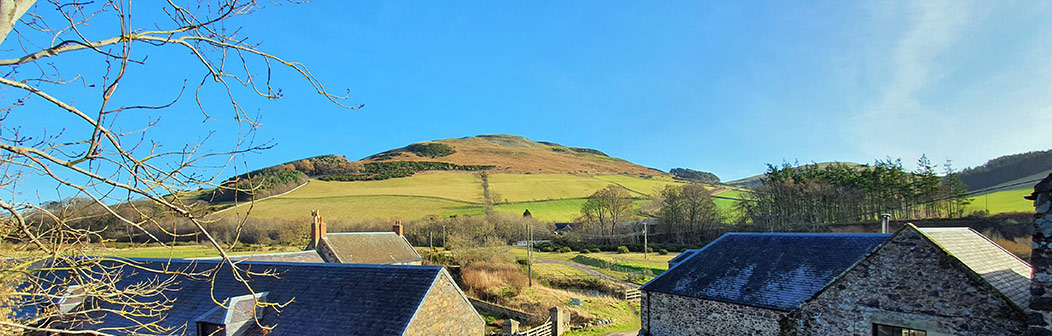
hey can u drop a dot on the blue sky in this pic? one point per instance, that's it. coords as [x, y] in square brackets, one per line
[717, 86]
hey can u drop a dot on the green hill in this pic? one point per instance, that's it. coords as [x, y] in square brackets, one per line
[441, 178]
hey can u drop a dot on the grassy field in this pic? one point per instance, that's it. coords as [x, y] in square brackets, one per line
[360, 207]
[1002, 201]
[564, 210]
[540, 187]
[642, 186]
[458, 186]
[549, 197]
[652, 259]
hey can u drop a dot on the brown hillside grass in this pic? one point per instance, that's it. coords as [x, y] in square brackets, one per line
[493, 281]
[515, 154]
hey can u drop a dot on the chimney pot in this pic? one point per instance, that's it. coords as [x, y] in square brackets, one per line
[397, 228]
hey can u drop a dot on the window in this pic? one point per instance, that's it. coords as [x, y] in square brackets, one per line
[887, 330]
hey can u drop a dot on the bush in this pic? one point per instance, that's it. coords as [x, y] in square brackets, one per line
[584, 251]
[493, 280]
[622, 249]
[650, 250]
[546, 248]
[565, 249]
[662, 251]
[431, 149]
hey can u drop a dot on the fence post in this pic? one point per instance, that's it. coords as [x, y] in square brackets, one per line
[510, 327]
[560, 320]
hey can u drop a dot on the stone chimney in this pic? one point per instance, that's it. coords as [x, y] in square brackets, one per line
[1040, 310]
[318, 231]
[397, 228]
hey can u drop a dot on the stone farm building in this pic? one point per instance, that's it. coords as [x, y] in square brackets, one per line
[322, 299]
[380, 248]
[917, 282]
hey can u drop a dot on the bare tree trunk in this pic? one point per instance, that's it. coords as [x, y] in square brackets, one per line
[10, 12]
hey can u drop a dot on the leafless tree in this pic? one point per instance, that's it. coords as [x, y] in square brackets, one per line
[66, 60]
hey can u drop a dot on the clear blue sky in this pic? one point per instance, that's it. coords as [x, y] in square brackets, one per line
[717, 86]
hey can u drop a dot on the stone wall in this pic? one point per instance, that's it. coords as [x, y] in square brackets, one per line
[497, 310]
[669, 315]
[908, 282]
[445, 311]
[1040, 318]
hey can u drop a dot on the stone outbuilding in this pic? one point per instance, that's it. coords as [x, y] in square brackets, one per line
[918, 282]
[314, 299]
[379, 248]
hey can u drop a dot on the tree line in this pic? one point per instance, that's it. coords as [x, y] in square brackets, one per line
[794, 197]
[1007, 168]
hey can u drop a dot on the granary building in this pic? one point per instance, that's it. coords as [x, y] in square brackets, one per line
[918, 282]
[314, 299]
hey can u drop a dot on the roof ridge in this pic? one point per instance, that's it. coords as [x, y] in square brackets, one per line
[285, 263]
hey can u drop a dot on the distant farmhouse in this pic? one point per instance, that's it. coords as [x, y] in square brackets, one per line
[917, 282]
[380, 248]
[318, 299]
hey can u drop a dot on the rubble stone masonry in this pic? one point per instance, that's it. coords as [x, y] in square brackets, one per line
[1040, 314]
[671, 315]
[907, 282]
[445, 311]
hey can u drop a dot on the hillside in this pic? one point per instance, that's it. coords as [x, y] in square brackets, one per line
[442, 178]
[1009, 169]
[515, 154]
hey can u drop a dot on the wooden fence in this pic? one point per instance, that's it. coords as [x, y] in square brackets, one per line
[630, 294]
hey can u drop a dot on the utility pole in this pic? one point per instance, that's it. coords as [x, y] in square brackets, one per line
[529, 252]
[644, 241]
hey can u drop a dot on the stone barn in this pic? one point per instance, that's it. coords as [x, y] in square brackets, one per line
[918, 282]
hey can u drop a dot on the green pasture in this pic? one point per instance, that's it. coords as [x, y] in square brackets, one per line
[458, 186]
[1002, 201]
[358, 207]
[540, 187]
[564, 210]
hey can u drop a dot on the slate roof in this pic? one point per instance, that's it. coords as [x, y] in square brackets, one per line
[324, 299]
[371, 248]
[308, 256]
[1000, 268]
[769, 270]
[682, 256]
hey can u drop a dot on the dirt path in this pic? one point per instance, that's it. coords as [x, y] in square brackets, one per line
[588, 270]
[624, 333]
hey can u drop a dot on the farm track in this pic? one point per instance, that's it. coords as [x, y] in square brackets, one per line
[590, 271]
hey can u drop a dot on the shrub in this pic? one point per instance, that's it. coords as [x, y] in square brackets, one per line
[565, 249]
[596, 250]
[650, 250]
[493, 280]
[662, 251]
[584, 251]
[547, 248]
[431, 149]
[622, 249]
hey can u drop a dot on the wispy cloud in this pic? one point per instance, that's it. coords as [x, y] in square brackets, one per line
[921, 105]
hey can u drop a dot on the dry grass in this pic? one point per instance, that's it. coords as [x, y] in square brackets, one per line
[515, 154]
[1019, 246]
[492, 280]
